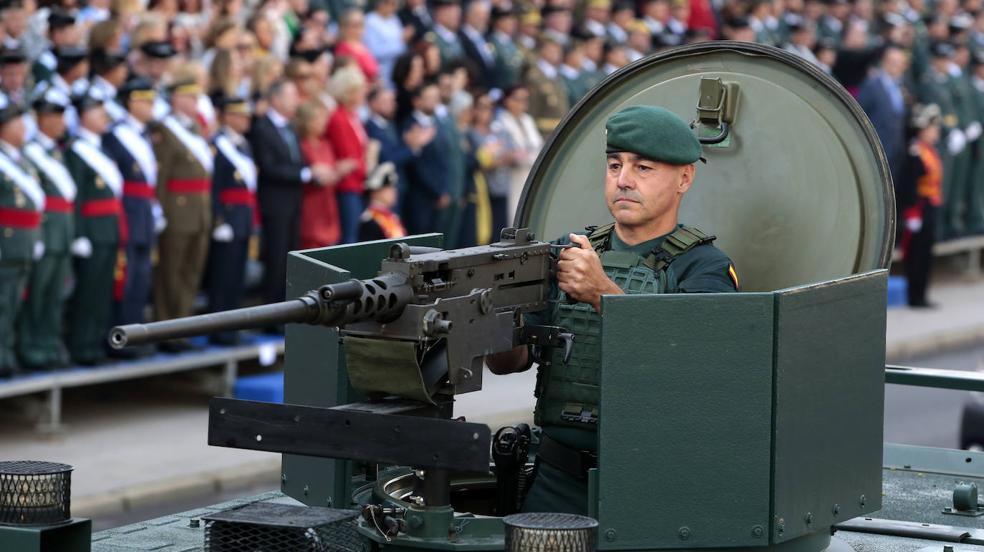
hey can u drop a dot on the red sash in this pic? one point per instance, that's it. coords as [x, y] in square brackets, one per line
[54, 204]
[20, 218]
[189, 186]
[141, 190]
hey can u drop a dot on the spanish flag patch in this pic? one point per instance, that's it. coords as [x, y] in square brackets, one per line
[733, 274]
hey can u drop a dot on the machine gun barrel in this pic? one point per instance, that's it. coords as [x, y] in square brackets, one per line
[305, 309]
[380, 298]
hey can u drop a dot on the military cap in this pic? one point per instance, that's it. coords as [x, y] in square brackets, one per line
[309, 55]
[637, 26]
[58, 18]
[89, 99]
[137, 88]
[550, 9]
[622, 5]
[441, 3]
[941, 50]
[500, 12]
[69, 56]
[184, 86]
[103, 60]
[8, 110]
[12, 55]
[738, 22]
[961, 22]
[654, 133]
[232, 104]
[531, 17]
[925, 115]
[602, 4]
[383, 175]
[160, 49]
[52, 100]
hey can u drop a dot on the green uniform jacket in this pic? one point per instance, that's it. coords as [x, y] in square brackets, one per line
[449, 46]
[185, 212]
[92, 187]
[508, 61]
[57, 228]
[548, 99]
[16, 244]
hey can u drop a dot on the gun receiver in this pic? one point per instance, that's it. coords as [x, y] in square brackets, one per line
[467, 300]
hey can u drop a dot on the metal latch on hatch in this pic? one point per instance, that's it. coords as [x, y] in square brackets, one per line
[717, 105]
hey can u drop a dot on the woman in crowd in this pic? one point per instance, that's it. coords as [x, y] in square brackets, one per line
[348, 140]
[519, 132]
[408, 74]
[494, 175]
[351, 27]
[225, 75]
[320, 225]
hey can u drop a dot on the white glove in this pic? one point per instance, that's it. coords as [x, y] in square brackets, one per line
[223, 233]
[956, 141]
[914, 224]
[82, 247]
[38, 250]
[973, 131]
[160, 223]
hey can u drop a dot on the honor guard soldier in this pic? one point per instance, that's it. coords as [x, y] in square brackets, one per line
[184, 177]
[39, 326]
[127, 145]
[13, 74]
[109, 73]
[99, 228]
[447, 20]
[379, 221]
[651, 165]
[154, 62]
[508, 57]
[61, 32]
[233, 209]
[21, 203]
[548, 94]
[69, 77]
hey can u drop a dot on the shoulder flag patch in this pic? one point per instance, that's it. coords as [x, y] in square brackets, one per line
[733, 274]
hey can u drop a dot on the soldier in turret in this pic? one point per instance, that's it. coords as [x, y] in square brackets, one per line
[233, 209]
[127, 145]
[98, 229]
[650, 167]
[184, 176]
[21, 204]
[39, 326]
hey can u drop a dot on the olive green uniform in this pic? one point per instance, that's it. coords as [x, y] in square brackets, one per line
[975, 197]
[19, 232]
[184, 193]
[548, 99]
[40, 323]
[567, 406]
[934, 88]
[966, 110]
[508, 60]
[97, 219]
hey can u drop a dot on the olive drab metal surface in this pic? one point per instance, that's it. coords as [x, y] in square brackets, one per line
[796, 187]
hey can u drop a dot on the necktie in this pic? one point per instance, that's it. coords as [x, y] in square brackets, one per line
[288, 135]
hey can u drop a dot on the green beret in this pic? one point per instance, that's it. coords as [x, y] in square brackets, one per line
[654, 133]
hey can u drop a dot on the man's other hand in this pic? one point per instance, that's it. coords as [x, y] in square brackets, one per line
[581, 276]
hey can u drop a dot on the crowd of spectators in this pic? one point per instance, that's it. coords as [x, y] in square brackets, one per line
[442, 107]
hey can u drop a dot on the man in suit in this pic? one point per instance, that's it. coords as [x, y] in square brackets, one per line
[98, 231]
[428, 173]
[414, 15]
[882, 98]
[233, 210]
[472, 37]
[393, 149]
[39, 326]
[184, 184]
[127, 145]
[21, 204]
[282, 173]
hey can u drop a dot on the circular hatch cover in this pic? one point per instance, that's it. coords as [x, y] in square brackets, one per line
[799, 192]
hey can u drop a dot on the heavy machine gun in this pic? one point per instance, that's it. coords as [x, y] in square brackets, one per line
[463, 302]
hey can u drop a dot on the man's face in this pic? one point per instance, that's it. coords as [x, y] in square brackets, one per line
[449, 16]
[238, 122]
[552, 53]
[13, 133]
[13, 76]
[384, 104]
[52, 124]
[185, 104]
[286, 100]
[142, 110]
[638, 190]
[895, 63]
[157, 68]
[428, 100]
[95, 120]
